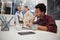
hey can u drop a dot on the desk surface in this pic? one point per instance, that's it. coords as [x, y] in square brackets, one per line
[40, 35]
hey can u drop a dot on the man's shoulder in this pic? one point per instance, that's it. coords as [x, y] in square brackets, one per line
[49, 17]
[17, 13]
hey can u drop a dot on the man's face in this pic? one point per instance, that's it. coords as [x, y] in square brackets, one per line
[38, 13]
[19, 8]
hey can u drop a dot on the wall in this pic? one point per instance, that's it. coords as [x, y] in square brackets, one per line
[58, 26]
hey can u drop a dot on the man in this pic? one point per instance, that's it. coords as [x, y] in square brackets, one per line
[44, 22]
[19, 13]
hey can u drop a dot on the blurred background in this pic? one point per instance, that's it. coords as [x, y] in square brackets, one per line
[11, 5]
[52, 6]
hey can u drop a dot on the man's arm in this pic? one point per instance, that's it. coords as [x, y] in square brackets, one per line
[51, 26]
[42, 28]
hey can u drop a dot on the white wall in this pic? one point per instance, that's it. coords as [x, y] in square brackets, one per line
[58, 26]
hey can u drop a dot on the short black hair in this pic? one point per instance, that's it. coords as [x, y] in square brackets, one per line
[41, 6]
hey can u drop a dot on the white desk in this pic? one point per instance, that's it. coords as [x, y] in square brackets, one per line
[40, 35]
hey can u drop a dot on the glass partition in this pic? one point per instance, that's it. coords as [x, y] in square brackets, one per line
[30, 3]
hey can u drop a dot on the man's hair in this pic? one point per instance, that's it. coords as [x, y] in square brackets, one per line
[41, 7]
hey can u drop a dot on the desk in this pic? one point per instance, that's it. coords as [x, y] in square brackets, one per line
[40, 35]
